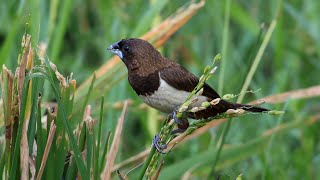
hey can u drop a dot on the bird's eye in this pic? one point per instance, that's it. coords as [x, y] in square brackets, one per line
[126, 48]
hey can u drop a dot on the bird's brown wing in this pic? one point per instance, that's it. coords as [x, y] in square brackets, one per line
[181, 79]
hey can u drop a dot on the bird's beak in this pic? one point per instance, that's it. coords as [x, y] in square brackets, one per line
[114, 48]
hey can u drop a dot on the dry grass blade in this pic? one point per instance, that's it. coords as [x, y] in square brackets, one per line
[26, 63]
[87, 113]
[24, 152]
[7, 100]
[1, 108]
[32, 165]
[106, 175]
[295, 94]
[161, 33]
[89, 123]
[273, 99]
[26, 44]
[158, 36]
[47, 149]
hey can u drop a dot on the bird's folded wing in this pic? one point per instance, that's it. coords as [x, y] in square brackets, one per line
[183, 80]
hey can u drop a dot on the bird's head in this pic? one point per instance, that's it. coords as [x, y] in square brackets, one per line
[135, 53]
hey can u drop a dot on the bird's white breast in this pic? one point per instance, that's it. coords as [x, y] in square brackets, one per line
[166, 98]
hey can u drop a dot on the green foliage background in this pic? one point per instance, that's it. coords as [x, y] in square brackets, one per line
[78, 32]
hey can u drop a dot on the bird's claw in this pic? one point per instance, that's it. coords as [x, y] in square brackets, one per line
[156, 143]
[182, 123]
[178, 130]
[173, 115]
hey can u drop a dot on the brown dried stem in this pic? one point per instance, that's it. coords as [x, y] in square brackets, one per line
[47, 149]
[106, 175]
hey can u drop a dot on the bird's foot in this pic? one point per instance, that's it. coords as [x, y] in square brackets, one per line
[181, 127]
[173, 115]
[182, 123]
[178, 130]
[156, 142]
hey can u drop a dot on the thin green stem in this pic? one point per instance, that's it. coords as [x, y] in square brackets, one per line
[246, 85]
[220, 144]
[224, 45]
[105, 152]
[222, 70]
[257, 60]
[96, 169]
[146, 163]
[270, 143]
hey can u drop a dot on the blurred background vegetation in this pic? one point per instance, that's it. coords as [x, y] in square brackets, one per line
[77, 33]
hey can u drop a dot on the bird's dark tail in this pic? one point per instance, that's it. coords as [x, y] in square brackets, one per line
[222, 107]
[249, 108]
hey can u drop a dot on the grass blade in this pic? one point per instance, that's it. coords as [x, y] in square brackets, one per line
[257, 60]
[77, 154]
[60, 29]
[40, 136]
[88, 94]
[97, 152]
[105, 152]
[224, 45]
[14, 169]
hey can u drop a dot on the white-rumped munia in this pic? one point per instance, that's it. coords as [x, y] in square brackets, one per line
[163, 84]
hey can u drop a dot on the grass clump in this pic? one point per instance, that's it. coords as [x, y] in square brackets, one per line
[50, 143]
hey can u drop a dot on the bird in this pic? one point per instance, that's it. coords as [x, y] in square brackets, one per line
[164, 84]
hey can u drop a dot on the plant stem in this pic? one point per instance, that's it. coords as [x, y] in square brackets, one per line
[146, 163]
[221, 142]
[257, 59]
[224, 44]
